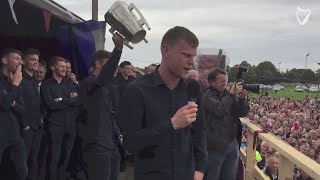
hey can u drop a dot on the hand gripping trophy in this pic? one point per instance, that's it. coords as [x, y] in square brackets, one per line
[122, 19]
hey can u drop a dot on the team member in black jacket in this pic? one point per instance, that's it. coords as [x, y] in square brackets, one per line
[156, 118]
[11, 109]
[60, 97]
[101, 133]
[117, 87]
[31, 129]
[39, 77]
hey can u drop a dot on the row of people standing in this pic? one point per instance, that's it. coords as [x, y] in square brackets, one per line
[167, 136]
[45, 112]
[26, 110]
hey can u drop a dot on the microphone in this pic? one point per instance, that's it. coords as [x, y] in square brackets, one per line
[193, 90]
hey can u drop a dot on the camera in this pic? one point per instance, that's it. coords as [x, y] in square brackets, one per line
[249, 87]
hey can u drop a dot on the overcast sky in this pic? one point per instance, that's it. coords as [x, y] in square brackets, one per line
[246, 29]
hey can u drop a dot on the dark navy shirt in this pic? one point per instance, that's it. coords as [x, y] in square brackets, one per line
[31, 96]
[160, 152]
[9, 114]
[62, 113]
[122, 83]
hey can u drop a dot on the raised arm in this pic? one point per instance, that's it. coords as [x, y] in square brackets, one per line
[106, 74]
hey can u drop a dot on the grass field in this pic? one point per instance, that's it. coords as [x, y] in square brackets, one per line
[289, 92]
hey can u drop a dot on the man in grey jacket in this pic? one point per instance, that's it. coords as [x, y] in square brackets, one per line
[222, 111]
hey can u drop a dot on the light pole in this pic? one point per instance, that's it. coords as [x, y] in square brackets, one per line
[305, 66]
[95, 10]
[279, 67]
[318, 83]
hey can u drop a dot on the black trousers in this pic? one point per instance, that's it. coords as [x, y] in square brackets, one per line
[61, 141]
[13, 154]
[101, 163]
[43, 155]
[76, 164]
[32, 141]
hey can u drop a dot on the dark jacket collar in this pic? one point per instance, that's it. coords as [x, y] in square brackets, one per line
[26, 75]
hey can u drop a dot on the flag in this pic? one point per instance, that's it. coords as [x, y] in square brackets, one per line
[47, 19]
[80, 41]
[11, 3]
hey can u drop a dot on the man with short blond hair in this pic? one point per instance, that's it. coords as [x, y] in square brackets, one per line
[60, 98]
[167, 142]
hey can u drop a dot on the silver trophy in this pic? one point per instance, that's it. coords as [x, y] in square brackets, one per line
[122, 19]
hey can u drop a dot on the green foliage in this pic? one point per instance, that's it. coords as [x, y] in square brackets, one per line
[267, 73]
[308, 75]
[232, 72]
[268, 70]
[292, 75]
[318, 75]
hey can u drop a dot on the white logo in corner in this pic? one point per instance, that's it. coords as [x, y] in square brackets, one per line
[303, 15]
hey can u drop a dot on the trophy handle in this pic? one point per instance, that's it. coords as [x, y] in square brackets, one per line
[142, 21]
[125, 41]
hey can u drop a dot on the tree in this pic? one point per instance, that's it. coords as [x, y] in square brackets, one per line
[268, 72]
[308, 75]
[232, 72]
[245, 64]
[251, 76]
[318, 74]
[291, 75]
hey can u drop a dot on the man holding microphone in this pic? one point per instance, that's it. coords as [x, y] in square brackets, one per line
[157, 122]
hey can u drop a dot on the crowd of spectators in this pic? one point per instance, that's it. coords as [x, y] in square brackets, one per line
[297, 122]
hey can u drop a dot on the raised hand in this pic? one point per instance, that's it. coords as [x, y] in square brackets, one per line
[16, 77]
[117, 40]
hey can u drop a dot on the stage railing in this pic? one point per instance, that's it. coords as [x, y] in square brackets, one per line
[288, 159]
